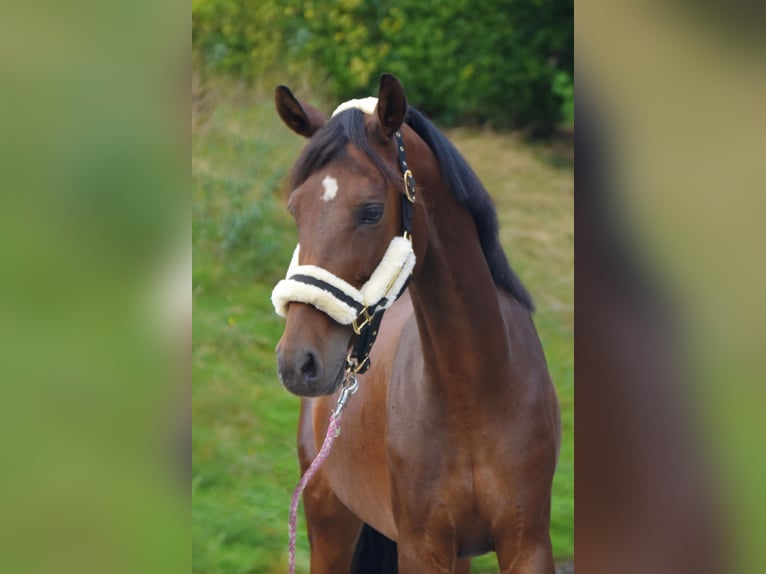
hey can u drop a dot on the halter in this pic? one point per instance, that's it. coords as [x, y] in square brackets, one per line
[361, 308]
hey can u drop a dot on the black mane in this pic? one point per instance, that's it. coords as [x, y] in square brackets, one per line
[329, 143]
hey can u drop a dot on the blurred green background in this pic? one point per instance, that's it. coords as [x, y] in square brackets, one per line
[507, 63]
[475, 69]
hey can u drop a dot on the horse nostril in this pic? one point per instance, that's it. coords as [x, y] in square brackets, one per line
[310, 367]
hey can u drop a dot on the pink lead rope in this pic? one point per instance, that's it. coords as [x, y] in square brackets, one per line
[350, 386]
[324, 452]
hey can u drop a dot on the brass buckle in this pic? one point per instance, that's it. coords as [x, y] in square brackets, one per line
[367, 318]
[410, 194]
[355, 368]
[360, 365]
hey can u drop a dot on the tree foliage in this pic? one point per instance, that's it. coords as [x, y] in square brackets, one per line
[505, 62]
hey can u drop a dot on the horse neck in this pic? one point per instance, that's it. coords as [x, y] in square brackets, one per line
[458, 311]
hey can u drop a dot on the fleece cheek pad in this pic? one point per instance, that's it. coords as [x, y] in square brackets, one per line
[340, 300]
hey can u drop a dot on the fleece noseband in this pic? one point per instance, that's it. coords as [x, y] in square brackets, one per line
[340, 300]
[361, 308]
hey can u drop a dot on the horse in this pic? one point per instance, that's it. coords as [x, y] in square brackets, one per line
[449, 447]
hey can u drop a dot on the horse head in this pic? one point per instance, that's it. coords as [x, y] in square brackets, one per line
[346, 202]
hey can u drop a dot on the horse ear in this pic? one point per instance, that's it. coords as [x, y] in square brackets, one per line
[303, 119]
[392, 105]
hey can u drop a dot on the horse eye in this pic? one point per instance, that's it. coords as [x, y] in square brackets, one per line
[371, 213]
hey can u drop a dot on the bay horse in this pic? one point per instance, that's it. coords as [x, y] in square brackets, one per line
[449, 447]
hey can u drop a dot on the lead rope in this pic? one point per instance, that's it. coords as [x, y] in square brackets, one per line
[324, 452]
[350, 386]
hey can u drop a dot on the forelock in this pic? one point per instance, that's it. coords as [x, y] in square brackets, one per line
[329, 144]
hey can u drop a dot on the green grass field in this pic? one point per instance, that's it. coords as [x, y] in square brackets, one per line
[244, 463]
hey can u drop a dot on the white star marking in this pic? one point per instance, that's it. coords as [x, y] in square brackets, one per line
[330, 185]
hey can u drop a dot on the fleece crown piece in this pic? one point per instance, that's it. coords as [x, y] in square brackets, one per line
[339, 299]
[367, 105]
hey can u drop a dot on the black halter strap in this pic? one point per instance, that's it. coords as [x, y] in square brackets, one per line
[367, 323]
[408, 197]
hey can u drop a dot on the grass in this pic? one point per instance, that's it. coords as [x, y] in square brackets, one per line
[244, 463]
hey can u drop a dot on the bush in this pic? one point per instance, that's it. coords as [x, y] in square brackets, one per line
[241, 38]
[488, 61]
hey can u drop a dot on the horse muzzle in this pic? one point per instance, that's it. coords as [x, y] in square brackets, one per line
[312, 352]
[303, 374]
